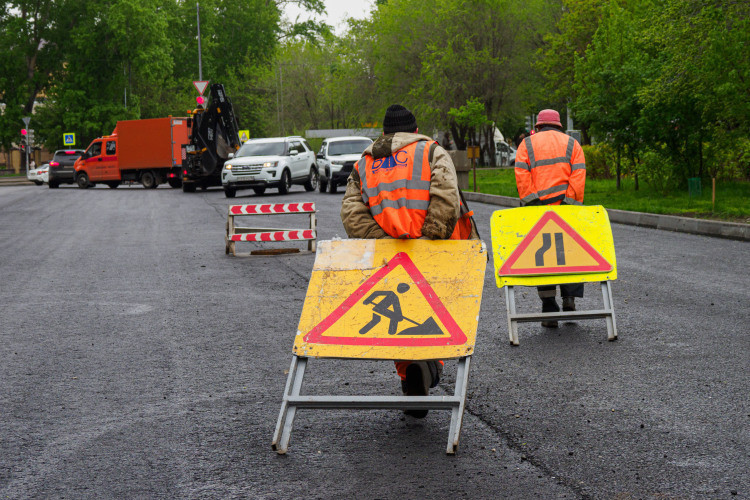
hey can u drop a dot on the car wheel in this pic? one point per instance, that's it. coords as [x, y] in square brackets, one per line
[113, 184]
[175, 183]
[38, 183]
[312, 180]
[332, 187]
[322, 184]
[83, 180]
[230, 192]
[259, 191]
[285, 183]
[188, 187]
[54, 185]
[148, 180]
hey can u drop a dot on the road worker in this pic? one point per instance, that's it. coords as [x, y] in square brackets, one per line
[551, 170]
[405, 186]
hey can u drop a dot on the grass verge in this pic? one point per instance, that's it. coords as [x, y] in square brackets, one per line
[732, 198]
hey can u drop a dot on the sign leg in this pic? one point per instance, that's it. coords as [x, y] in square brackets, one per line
[457, 413]
[311, 245]
[510, 306]
[609, 306]
[283, 430]
[230, 232]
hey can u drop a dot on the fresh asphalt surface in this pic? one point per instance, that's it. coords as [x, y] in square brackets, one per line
[139, 361]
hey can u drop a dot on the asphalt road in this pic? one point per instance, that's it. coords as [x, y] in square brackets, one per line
[139, 361]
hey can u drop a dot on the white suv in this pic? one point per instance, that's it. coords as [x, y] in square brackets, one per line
[273, 162]
[336, 159]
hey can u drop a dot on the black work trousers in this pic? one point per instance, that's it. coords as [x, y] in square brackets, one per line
[571, 290]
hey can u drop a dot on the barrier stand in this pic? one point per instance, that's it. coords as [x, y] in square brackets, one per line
[583, 251]
[388, 300]
[236, 233]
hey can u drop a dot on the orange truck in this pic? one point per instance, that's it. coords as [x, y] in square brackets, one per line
[146, 151]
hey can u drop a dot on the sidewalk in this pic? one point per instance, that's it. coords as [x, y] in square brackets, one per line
[731, 230]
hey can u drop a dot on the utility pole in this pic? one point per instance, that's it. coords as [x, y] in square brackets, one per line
[26, 120]
[200, 61]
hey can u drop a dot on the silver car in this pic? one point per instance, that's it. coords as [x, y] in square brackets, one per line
[336, 159]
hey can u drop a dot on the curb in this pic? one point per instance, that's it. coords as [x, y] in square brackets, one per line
[15, 181]
[730, 230]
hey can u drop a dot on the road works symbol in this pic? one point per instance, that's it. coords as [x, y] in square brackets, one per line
[394, 307]
[569, 254]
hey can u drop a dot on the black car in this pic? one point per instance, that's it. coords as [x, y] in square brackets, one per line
[61, 167]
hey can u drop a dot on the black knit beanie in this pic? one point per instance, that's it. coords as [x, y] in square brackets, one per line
[399, 119]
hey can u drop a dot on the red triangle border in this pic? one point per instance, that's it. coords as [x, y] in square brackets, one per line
[457, 336]
[601, 266]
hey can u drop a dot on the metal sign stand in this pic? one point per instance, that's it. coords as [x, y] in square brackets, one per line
[608, 312]
[294, 400]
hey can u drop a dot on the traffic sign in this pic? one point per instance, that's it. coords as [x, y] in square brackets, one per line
[535, 245]
[393, 299]
[200, 86]
[553, 247]
[244, 135]
[69, 139]
[26, 120]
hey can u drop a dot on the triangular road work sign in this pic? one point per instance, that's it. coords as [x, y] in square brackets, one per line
[200, 85]
[394, 307]
[552, 246]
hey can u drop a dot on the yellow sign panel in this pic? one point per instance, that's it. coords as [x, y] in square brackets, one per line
[393, 299]
[535, 245]
[244, 135]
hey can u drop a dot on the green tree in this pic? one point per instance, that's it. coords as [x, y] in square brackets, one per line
[32, 37]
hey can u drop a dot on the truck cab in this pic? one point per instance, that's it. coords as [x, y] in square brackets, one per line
[99, 164]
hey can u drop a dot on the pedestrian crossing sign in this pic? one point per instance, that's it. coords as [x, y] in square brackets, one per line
[393, 299]
[69, 139]
[535, 245]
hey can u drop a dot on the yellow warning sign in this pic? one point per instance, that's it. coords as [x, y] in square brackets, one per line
[393, 299]
[244, 135]
[534, 245]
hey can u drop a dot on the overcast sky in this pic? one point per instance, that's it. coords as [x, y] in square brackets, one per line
[337, 11]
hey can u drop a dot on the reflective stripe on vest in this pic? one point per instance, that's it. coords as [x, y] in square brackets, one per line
[396, 183]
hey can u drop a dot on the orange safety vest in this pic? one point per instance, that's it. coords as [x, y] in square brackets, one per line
[550, 169]
[397, 190]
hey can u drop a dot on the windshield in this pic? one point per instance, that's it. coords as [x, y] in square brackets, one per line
[70, 153]
[261, 149]
[348, 147]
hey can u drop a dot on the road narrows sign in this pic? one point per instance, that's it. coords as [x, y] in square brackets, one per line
[553, 247]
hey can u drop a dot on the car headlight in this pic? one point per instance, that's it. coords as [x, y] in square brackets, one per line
[338, 162]
[228, 166]
[270, 164]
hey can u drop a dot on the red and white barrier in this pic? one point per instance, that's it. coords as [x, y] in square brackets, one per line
[307, 234]
[272, 208]
[235, 233]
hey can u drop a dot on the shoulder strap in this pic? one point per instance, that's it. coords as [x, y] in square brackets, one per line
[433, 147]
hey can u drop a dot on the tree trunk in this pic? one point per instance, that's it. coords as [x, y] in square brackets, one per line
[458, 136]
[617, 167]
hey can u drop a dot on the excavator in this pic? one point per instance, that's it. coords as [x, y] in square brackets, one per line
[214, 134]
